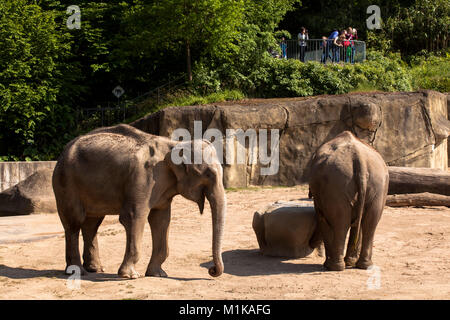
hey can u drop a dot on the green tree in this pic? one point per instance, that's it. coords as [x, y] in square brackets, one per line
[36, 84]
[209, 26]
[423, 26]
[256, 36]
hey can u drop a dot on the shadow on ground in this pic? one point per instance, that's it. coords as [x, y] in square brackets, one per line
[244, 263]
[24, 273]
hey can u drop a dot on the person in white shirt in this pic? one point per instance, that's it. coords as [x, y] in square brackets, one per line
[302, 37]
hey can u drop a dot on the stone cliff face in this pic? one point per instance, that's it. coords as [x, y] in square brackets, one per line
[408, 129]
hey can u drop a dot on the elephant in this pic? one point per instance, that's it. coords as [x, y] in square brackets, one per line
[123, 171]
[349, 183]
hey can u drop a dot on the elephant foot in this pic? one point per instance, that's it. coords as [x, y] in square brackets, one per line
[75, 269]
[128, 273]
[334, 266]
[350, 262]
[364, 264]
[92, 267]
[155, 272]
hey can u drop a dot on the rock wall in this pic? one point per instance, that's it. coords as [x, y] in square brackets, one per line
[31, 195]
[12, 172]
[408, 129]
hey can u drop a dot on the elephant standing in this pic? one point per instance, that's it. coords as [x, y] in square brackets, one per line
[122, 170]
[349, 183]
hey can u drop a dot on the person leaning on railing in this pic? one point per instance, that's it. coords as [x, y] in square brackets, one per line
[332, 43]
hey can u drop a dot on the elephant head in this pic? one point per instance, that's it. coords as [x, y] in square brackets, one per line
[199, 174]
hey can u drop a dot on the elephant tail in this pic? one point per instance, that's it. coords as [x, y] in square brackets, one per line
[360, 175]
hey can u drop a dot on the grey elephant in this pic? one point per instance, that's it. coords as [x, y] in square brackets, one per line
[349, 183]
[123, 171]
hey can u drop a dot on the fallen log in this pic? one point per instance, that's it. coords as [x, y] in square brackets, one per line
[418, 199]
[418, 180]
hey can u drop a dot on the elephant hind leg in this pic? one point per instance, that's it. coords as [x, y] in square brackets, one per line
[334, 233]
[91, 257]
[368, 226]
[72, 217]
[353, 248]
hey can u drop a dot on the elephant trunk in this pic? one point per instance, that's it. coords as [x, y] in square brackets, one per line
[217, 200]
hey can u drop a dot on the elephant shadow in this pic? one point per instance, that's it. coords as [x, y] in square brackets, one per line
[24, 273]
[244, 263]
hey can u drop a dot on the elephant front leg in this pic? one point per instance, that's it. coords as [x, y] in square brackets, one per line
[159, 223]
[134, 222]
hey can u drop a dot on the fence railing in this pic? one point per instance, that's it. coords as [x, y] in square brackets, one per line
[324, 51]
[105, 116]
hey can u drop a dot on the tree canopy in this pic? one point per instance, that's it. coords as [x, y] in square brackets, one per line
[49, 71]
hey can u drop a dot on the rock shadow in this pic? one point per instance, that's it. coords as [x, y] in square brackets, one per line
[244, 263]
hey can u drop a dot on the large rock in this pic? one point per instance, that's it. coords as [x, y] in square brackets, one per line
[284, 229]
[407, 128]
[32, 195]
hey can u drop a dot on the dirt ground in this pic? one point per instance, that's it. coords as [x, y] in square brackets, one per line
[411, 251]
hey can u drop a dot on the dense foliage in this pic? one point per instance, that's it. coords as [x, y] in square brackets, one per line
[37, 84]
[48, 71]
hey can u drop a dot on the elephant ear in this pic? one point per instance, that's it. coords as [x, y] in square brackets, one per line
[179, 170]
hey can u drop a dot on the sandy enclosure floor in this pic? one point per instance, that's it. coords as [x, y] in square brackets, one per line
[411, 250]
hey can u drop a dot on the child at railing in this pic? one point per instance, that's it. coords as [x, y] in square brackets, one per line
[351, 36]
[325, 50]
[339, 46]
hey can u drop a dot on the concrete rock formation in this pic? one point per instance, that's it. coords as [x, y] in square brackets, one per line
[407, 128]
[284, 229]
[32, 195]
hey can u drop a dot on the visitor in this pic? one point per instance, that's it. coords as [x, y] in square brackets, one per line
[341, 41]
[302, 38]
[332, 45]
[351, 45]
[325, 50]
[283, 46]
[354, 38]
[347, 44]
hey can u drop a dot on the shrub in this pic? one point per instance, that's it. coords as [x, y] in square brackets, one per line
[431, 72]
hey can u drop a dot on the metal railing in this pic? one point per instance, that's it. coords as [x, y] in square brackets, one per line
[105, 116]
[324, 51]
